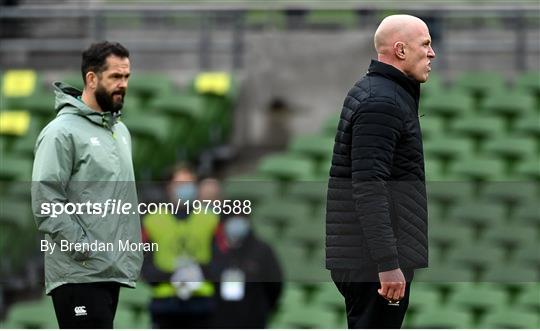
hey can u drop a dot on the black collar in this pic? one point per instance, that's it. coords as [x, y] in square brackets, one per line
[410, 85]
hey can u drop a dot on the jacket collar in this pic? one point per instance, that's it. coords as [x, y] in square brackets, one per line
[68, 101]
[410, 85]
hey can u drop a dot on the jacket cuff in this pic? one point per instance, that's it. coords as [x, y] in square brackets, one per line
[388, 265]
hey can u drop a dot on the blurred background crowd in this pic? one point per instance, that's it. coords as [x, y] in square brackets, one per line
[240, 100]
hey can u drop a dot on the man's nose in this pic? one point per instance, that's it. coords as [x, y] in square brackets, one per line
[123, 83]
[431, 53]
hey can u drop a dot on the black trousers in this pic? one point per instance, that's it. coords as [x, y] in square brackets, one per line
[86, 305]
[366, 309]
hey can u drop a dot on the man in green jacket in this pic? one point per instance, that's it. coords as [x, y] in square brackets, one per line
[82, 173]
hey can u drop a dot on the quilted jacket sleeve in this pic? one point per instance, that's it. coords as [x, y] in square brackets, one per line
[376, 130]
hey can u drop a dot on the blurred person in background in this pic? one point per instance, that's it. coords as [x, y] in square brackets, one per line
[182, 295]
[84, 154]
[209, 189]
[247, 274]
[376, 221]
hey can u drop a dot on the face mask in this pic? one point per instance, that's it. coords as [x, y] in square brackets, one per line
[186, 191]
[236, 229]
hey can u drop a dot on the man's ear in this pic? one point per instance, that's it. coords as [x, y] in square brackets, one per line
[91, 80]
[399, 50]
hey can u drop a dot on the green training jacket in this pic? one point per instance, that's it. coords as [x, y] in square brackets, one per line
[81, 157]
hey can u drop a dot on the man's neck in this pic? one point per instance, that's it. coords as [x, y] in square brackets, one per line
[90, 100]
[386, 60]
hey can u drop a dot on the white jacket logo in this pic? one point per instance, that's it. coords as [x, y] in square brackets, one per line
[80, 311]
[95, 141]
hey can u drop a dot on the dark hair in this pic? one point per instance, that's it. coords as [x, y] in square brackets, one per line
[94, 58]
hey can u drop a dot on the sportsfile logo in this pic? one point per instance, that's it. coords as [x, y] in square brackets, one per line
[80, 311]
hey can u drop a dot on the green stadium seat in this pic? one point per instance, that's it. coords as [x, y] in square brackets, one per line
[510, 191]
[294, 295]
[509, 104]
[480, 83]
[529, 296]
[448, 148]
[483, 296]
[180, 105]
[435, 214]
[478, 213]
[434, 170]
[477, 169]
[313, 146]
[529, 81]
[145, 125]
[313, 192]
[510, 273]
[132, 107]
[281, 211]
[528, 253]
[439, 274]
[423, 297]
[450, 192]
[313, 316]
[511, 234]
[448, 104]
[434, 85]
[145, 138]
[16, 212]
[311, 231]
[528, 212]
[450, 233]
[40, 104]
[323, 168]
[316, 147]
[219, 119]
[528, 125]
[185, 113]
[149, 85]
[329, 296]
[432, 126]
[136, 299]
[297, 264]
[477, 255]
[24, 145]
[286, 167]
[219, 91]
[15, 167]
[479, 127]
[34, 314]
[126, 319]
[17, 190]
[268, 231]
[511, 318]
[443, 318]
[511, 148]
[528, 168]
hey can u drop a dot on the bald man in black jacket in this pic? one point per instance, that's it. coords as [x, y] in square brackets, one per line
[376, 221]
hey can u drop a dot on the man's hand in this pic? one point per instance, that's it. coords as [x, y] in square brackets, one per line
[392, 285]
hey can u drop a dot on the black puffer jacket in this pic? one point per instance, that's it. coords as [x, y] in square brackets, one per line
[376, 214]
